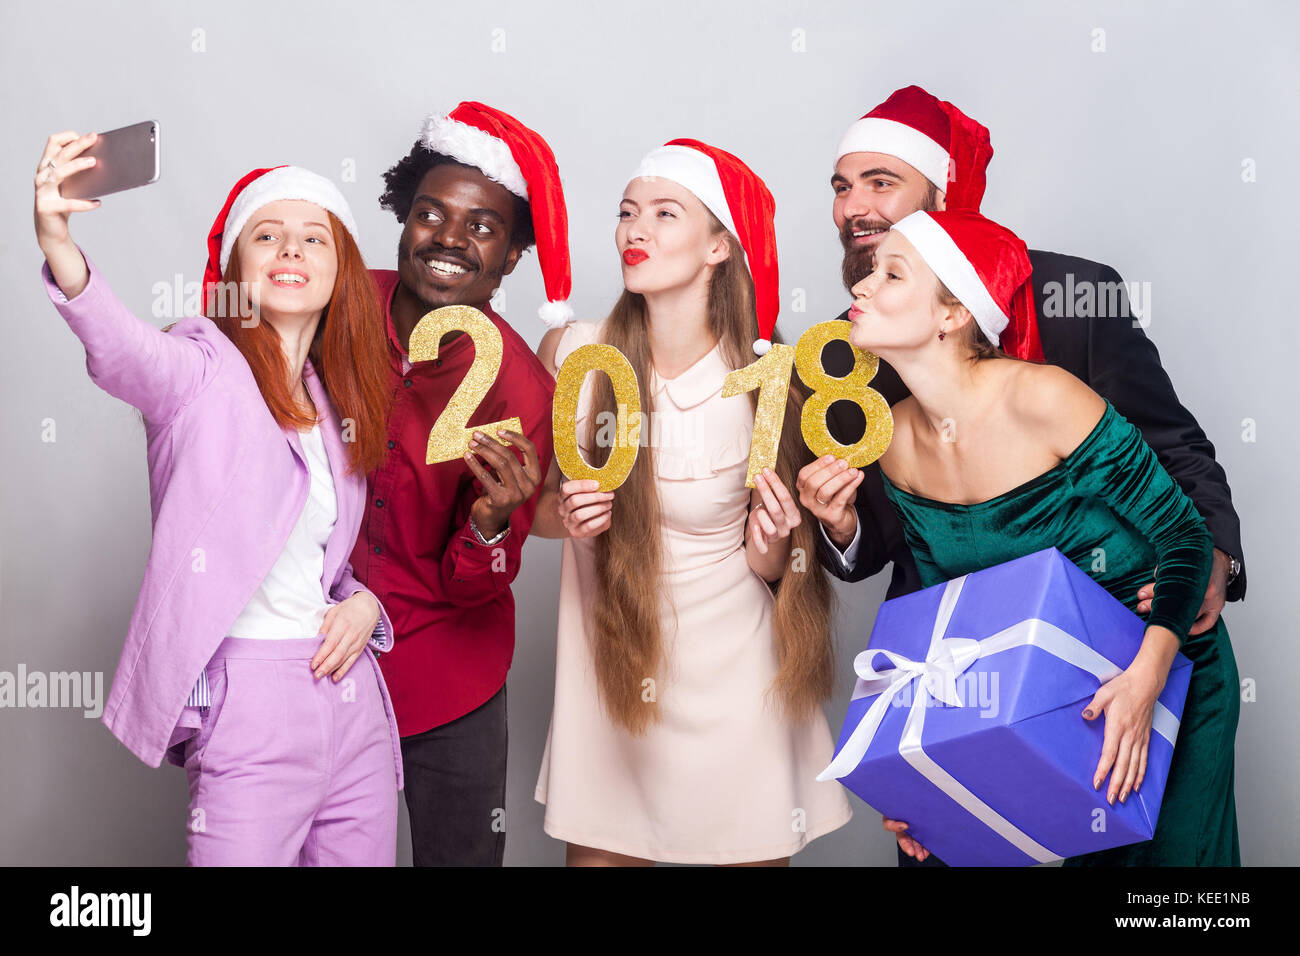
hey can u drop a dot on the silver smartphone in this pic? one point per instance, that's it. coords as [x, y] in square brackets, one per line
[126, 158]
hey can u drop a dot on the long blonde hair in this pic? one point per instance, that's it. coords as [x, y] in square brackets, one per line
[624, 614]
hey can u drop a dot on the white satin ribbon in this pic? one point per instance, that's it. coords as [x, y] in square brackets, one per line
[936, 677]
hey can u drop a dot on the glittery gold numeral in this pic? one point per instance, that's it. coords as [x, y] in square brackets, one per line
[568, 387]
[771, 376]
[853, 387]
[449, 437]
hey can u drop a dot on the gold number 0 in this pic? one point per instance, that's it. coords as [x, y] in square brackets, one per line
[771, 376]
[449, 437]
[597, 357]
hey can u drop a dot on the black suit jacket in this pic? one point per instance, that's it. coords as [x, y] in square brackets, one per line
[1107, 351]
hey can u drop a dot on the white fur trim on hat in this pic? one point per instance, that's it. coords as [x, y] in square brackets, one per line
[556, 315]
[955, 271]
[287, 182]
[695, 171]
[469, 144]
[692, 169]
[875, 135]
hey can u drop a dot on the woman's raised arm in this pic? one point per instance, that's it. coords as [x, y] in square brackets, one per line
[126, 356]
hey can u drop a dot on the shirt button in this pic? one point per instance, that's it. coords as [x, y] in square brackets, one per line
[378, 549]
[406, 382]
[379, 502]
[469, 544]
[392, 444]
[437, 363]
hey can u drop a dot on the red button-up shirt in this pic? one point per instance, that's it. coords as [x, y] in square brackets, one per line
[448, 595]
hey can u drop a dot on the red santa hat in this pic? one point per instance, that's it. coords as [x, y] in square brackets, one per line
[260, 188]
[944, 144]
[508, 152]
[742, 202]
[987, 267]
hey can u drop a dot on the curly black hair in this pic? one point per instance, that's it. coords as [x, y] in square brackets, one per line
[404, 179]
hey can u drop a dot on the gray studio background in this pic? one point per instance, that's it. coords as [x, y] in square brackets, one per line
[1132, 156]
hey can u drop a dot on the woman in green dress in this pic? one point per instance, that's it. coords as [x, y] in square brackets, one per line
[994, 458]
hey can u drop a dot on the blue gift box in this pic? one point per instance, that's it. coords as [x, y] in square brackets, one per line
[967, 717]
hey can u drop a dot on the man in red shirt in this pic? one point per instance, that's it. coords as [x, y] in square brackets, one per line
[440, 544]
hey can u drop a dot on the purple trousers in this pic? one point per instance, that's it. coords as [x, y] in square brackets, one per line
[288, 770]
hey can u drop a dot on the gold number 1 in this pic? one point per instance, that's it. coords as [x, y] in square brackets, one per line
[771, 376]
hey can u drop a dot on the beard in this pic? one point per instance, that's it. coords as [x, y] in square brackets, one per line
[858, 262]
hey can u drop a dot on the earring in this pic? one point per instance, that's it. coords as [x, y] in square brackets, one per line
[941, 336]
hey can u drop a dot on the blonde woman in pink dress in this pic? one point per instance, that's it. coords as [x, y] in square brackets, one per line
[694, 645]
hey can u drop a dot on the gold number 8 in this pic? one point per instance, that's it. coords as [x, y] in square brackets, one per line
[854, 387]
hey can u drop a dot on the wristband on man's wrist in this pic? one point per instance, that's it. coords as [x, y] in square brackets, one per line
[495, 539]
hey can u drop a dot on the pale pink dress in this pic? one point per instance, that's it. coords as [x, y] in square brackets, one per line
[723, 778]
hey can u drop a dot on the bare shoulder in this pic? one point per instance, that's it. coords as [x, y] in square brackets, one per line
[546, 349]
[897, 460]
[1051, 403]
[557, 344]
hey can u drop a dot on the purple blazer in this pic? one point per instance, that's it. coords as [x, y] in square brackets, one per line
[226, 486]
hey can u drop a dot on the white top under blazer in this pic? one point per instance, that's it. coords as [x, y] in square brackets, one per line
[289, 603]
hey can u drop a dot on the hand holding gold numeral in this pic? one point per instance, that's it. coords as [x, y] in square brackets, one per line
[597, 357]
[449, 437]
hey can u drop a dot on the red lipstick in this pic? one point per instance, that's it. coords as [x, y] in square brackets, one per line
[634, 256]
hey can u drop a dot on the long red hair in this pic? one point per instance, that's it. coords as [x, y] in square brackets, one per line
[348, 351]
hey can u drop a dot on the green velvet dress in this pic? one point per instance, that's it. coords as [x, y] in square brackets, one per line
[1114, 511]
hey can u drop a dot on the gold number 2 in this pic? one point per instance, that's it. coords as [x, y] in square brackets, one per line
[449, 437]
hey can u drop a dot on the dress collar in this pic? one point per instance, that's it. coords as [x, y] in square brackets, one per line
[697, 384]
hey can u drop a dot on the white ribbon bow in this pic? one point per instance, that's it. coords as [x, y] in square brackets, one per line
[946, 660]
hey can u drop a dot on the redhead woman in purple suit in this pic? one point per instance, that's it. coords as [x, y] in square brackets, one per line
[261, 418]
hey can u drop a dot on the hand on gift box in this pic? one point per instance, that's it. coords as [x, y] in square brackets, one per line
[1128, 701]
[910, 846]
[584, 509]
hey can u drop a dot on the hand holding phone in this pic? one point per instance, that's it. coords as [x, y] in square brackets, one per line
[62, 158]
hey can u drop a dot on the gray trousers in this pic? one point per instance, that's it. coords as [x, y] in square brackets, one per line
[456, 788]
